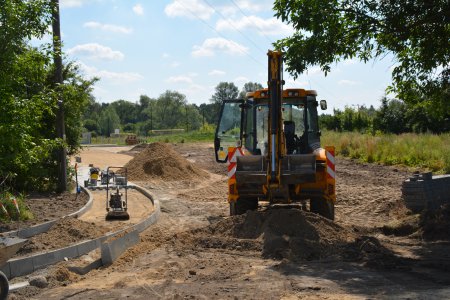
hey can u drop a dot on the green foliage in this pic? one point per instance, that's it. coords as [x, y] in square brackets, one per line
[415, 32]
[224, 91]
[424, 151]
[249, 87]
[391, 117]
[127, 111]
[186, 137]
[28, 98]
[6, 200]
[350, 119]
[108, 121]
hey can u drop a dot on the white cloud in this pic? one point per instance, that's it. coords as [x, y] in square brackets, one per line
[216, 73]
[175, 64]
[108, 27]
[347, 82]
[96, 51]
[179, 79]
[165, 55]
[294, 84]
[189, 9]
[271, 26]
[245, 5]
[115, 76]
[314, 71]
[138, 9]
[241, 79]
[71, 3]
[211, 45]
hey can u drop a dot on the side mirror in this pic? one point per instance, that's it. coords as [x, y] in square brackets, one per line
[221, 155]
[323, 104]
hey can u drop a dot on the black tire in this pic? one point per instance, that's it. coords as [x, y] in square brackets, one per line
[4, 286]
[242, 205]
[322, 207]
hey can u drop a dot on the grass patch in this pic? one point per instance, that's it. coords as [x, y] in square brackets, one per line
[425, 151]
[186, 137]
[205, 134]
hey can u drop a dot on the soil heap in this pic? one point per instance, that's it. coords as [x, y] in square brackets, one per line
[63, 233]
[278, 233]
[160, 161]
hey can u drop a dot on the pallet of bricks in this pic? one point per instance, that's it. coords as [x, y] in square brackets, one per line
[425, 191]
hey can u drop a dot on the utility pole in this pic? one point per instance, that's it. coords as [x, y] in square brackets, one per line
[60, 130]
[187, 121]
[151, 117]
[203, 115]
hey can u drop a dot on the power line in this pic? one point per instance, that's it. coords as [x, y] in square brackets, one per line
[213, 29]
[244, 14]
[237, 29]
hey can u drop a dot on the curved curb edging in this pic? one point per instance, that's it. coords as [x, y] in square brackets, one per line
[44, 227]
[26, 265]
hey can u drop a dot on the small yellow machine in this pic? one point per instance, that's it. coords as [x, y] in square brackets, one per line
[116, 206]
[271, 142]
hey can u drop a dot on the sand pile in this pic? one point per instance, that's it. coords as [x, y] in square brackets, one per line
[63, 233]
[160, 161]
[284, 234]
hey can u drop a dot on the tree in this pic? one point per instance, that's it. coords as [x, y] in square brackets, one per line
[415, 32]
[169, 110]
[224, 91]
[127, 111]
[249, 87]
[391, 117]
[109, 121]
[28, 98]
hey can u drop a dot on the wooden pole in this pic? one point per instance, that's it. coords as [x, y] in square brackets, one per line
[60, 130]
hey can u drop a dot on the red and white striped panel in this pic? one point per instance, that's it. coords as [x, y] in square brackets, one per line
[331, 162]
[232, 161]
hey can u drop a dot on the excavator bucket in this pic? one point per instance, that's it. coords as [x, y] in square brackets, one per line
[297, 169]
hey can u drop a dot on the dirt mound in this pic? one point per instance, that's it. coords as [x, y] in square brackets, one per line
[278, 233]
[430, 225]
[46, 207]
[139, 147]
[160, 161]
[63, 233]
[435, 225]
[216, 192]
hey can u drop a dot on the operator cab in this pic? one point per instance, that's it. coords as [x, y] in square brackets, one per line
[246, 123]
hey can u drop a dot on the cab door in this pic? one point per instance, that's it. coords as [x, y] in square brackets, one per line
[229, 128]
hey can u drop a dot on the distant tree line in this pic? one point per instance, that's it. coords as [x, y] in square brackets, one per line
[170, 110]
[393, 116]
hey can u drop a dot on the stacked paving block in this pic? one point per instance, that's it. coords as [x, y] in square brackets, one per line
[425, 191]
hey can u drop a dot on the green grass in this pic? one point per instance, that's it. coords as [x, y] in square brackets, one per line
[425, 151]
[186, 137]
[12, 213]
[206, 135]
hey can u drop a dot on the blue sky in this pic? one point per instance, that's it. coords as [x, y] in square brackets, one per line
[148, 47]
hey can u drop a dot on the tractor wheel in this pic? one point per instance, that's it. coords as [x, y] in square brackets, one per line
[242, 205]
[4, 286]
[322, 207]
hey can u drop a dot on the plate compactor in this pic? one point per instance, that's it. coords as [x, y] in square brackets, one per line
[117, 202]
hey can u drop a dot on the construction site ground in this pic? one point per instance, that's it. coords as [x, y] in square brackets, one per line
[196, 251]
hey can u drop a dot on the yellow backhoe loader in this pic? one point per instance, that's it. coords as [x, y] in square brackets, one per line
[271, 142]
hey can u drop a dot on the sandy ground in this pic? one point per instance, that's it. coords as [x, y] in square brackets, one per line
[103, 157]
[173, 261]
[139, 207]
